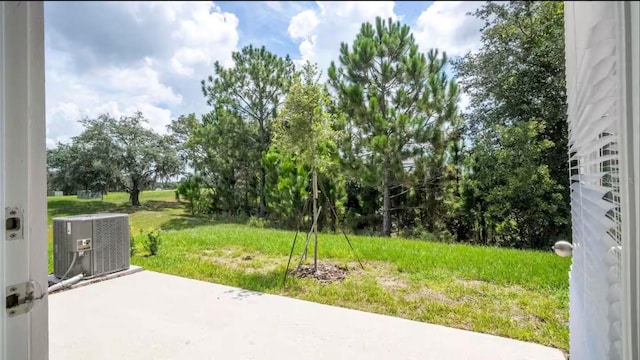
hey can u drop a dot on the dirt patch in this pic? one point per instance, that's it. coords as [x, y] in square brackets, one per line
[326, 272]
[372, 266]
[228, 251]
[428, 294]
[472, 283]
[238, 258]
[392, 282]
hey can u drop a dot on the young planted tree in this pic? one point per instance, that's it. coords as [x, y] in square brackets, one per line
[253, 89]
[306, 131]
[394, 99]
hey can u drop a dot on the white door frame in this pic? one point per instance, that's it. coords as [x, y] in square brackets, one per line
[23, 254]
[628, 13]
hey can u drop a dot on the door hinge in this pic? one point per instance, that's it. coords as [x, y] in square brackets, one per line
[20, 298]
[14, 223]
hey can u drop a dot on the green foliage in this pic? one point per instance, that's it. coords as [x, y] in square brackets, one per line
[152, 241]
[518, 78]
[111, 154]
[288, 187]
[143, 156]
[396, 101]
[132, 246]
[192, 191]
[257, 222]
[514, 206]
[391, 150]
[304, 129]
[88, 163]
[251, 90]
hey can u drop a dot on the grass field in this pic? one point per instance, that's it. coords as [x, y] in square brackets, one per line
[513, 293]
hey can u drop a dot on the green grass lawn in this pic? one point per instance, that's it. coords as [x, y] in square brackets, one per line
[513, 293]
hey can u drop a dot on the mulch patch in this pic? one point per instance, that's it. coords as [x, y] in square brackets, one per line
[326, 272]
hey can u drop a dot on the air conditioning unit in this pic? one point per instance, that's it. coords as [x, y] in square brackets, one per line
[99, 243]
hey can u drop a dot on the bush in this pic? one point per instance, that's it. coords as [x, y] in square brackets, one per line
[152, 241]
[191, 190]
[258, 222]
[446, 237]
[132, 246]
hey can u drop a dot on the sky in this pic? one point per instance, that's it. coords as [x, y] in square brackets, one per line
[121, 57]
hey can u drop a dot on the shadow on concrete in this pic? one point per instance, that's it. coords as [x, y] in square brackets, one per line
[241, 294]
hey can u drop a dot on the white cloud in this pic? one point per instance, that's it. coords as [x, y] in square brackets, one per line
[202, 34]
[155, 67]
[119, 57]
[445, 25]
[465, 101]
[117, 91]
[303, 24]
[275, 5]
[321, 30]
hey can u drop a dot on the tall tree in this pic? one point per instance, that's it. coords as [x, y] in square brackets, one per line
[60, 172]
[509, 193]
[225, 157]
[114, 152]
[143, 156]
[306, 131]
[181, 130]
[94, 154]
[254, 89]
[393, 98]
[519, 75]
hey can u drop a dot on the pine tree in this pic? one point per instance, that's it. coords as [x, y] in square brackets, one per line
[393, 98]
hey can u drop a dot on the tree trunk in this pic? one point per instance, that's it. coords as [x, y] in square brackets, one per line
[315, 215]
[483, 230]
[135, 197]
[263, 198]
[386, 204]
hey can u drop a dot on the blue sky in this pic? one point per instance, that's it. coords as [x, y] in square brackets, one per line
[119, 57]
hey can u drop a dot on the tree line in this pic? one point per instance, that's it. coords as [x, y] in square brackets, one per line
[392, 151]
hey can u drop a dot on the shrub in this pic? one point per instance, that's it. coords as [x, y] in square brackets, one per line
[191, 190]
[258, 222]
[446, 237]
[152, 241]
[132, 246]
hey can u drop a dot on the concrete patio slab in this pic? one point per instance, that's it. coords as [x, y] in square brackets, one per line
[84, 282]
[149, 315]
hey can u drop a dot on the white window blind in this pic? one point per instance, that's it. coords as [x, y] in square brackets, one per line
[602, 162]
[595, 191]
